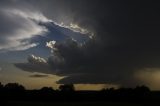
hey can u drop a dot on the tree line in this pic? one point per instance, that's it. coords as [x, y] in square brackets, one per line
[15, 91]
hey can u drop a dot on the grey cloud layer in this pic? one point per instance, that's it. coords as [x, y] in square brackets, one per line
[20, 22]
[18, 25]
[126, 40]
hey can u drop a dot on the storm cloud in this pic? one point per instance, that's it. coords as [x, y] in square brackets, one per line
[21, 21]
[125, 40]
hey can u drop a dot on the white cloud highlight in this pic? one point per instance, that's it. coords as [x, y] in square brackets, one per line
[34, 59]
[19, 27]
[50, 44]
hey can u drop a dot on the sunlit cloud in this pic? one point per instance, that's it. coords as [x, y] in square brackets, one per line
[76, 28]
[25, 26]
[34, 59]
[50, 44]
[20, 29]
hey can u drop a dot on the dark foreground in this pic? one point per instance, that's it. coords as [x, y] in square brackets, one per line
[16, 95]
[29, 103]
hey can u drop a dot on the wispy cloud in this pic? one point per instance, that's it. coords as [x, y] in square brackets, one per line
[18, 28]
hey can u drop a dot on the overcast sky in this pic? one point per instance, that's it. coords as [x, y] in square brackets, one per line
[104, 42]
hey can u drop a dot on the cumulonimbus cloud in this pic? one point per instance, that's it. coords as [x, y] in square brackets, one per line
[78, 64]
[126, 41]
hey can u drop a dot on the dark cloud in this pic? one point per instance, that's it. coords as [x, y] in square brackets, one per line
[126, 40]
[35, 64]
[38, 76]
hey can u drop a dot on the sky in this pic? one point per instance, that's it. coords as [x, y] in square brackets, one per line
[90, 43]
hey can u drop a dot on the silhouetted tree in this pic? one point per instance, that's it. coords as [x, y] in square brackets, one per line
[1, 86]
[14, 87]
[67, 87]
[47, 89]
[142, 88]
[15, 91]
[108, 89]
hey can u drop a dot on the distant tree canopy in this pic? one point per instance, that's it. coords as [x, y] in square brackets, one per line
[70, 87]
[137, 89]
[47, 89]
[67, 87]
[142, 89]
[14, 87]
[15, 91]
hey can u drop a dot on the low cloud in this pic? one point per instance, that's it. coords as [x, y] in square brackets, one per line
[35, 64]
[39, 76]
